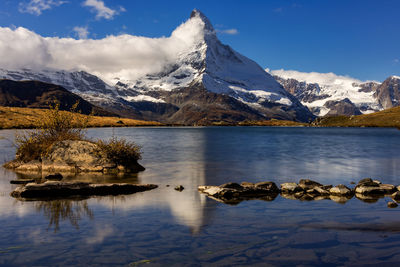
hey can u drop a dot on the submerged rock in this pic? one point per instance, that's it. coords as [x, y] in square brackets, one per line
[72, 156]
[55, 189]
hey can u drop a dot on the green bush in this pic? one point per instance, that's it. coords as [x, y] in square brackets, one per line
[120, 151]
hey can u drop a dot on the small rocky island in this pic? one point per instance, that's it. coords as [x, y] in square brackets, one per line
[60, 148]
[367, 190]
[74, 156]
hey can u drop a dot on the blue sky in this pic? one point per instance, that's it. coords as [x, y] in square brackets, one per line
[356, 38]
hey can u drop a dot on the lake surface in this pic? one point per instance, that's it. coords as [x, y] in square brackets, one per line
[164, 227]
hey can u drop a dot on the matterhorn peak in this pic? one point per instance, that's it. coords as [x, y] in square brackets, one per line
[207, 24]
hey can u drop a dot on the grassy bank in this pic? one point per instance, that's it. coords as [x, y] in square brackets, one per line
[25, 118]
[385, 118]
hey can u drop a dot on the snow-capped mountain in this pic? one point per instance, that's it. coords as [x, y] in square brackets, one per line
[330, 94]
[206, 81]
[211, 67]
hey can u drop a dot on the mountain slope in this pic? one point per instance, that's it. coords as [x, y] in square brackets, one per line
[210, 67]
[35, 94]
[385, 118]
[200, 81]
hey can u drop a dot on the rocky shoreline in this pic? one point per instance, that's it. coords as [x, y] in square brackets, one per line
[367, 190]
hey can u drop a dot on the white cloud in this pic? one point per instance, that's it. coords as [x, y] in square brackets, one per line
[228, 31]
[125, 56]
[314, 77]
[81, 32]
[101, 10]
[36, 7]
[396, 60]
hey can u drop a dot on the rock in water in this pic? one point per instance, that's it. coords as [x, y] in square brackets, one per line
[54, 189]
[307, 184]
[368, 186]
[392, 205]
[341, 190]
[233, 193]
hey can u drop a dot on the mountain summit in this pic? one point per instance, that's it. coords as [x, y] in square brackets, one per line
[195, 80]
[209, 67]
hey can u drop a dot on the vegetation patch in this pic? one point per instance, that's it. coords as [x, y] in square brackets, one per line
[51, 142]
[120, 151]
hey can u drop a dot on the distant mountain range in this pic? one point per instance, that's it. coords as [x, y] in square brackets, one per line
[209, 82]
[35, 94]
[327, 94]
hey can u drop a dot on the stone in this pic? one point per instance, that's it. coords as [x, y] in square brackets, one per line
[232, 185]
[367, 182]
[54, 177]
[392, 205]
[233, 193]
[396, 196]
[319, 190]
[247, 184]
[22, 181]
[270, 186]
[377, 189]
[179, 188]
[341, 190]
[290, 188]
[307, 184]
[56, 189]
[32, 166]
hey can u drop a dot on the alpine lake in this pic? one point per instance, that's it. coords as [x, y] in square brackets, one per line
[165, 227]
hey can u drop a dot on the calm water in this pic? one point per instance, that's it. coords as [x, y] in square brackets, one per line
[165, 227]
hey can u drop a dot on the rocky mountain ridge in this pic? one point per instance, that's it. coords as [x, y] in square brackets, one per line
[326, 94]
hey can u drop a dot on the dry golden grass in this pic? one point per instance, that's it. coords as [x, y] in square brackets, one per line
[272, 122]
[27, 118]
[385, 118]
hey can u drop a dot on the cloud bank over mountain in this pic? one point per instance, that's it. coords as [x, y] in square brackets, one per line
[125, 56]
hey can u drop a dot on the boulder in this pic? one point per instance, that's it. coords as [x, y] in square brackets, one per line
[307, 184]
[290, 188]
[396, 196]
[56, 189]
[375, 189]
[392, 205]
[73, 156]
[341, 190]
[233, 193]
